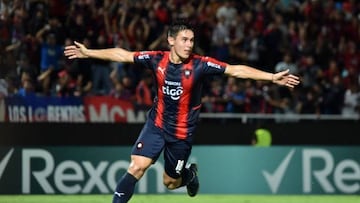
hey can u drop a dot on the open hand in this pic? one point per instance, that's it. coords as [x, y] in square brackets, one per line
[76, 51]
[285, 79]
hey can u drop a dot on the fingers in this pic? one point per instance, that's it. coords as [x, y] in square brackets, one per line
[70, 47]
[294, 77]
[287, 79]
[72, 57]
[70, 52]
[292, 81]
[74, 51]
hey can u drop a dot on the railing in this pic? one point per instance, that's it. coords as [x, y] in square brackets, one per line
[107, 109]
[245, 117]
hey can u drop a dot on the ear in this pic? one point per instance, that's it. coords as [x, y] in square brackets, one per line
[171, 41]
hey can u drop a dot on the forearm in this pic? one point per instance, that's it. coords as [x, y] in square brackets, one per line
[247, 72]
[111, 54]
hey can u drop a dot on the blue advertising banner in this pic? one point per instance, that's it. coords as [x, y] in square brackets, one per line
[90, 109]
[222, 170]
[44, 109]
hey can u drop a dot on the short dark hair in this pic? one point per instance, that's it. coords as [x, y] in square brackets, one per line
[179, 25]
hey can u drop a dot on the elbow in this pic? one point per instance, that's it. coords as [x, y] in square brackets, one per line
[238, 74]
[235, 71]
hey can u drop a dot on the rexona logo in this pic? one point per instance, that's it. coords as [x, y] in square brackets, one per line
[4, 162]
[276, 177]
[343, 175]
[73, 176]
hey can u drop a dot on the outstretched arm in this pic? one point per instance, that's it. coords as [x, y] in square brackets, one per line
[281, 78]
[113, 54]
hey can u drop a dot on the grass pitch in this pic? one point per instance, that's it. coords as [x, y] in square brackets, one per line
[175, 198]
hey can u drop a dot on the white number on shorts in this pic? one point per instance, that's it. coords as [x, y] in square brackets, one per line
[179, 166]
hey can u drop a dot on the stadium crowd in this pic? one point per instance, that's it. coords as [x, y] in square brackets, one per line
[316, 39]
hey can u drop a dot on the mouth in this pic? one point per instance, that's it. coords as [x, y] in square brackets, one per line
[188, 52]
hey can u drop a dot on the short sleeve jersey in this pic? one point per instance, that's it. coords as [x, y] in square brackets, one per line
[178, 89]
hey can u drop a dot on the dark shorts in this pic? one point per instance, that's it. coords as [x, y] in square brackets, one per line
[153, 140]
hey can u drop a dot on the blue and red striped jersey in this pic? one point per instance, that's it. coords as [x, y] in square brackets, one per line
[178, 89]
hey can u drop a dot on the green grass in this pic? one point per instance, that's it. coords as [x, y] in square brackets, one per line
[172, 198]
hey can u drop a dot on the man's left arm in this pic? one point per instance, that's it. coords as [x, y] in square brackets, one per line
[246, 72]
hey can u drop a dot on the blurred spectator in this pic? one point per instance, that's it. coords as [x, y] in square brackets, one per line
[129, 86]
[213, 100]
[3, 88]
[309, 71]
[308, 103]
[66, 85]
[333, 96]
[255, 101]
[80, 70]
[287, 63]
[350, 57]
[12, 83]
[27, 89]
[237, 99]
[119, 91]
[350, 75]
[160, 42]
[50, 58]
[101, 70]
[274, 40]
[220, 40]
[237, 36]
[161, 12]
[138, 32]
[332, 70]
[5, 8]
[228, 12]
[75, 21]
[38, 18]
[3, 94]
[144, 93]
[24, 65]
[253, 45]
[229, 85]
[351, 101]
[276, 102]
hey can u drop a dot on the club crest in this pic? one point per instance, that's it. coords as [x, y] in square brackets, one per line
[187, 73]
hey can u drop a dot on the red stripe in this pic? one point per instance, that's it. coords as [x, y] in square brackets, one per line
[196, 107]
[183, 112]
[160, 77]
[138, 53]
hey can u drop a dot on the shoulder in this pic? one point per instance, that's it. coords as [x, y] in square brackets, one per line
[149, 58]
[210, 61]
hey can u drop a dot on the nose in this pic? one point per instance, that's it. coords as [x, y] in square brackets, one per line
[189, 44]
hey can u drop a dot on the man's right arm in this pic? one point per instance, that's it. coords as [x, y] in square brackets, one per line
[112, 54]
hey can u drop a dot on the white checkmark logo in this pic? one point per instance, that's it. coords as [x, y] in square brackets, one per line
[276, 177]
[4, 161]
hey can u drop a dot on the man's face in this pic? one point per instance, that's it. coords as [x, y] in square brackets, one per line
[183, 43]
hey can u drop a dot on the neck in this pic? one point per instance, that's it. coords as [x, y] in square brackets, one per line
[174, 58]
